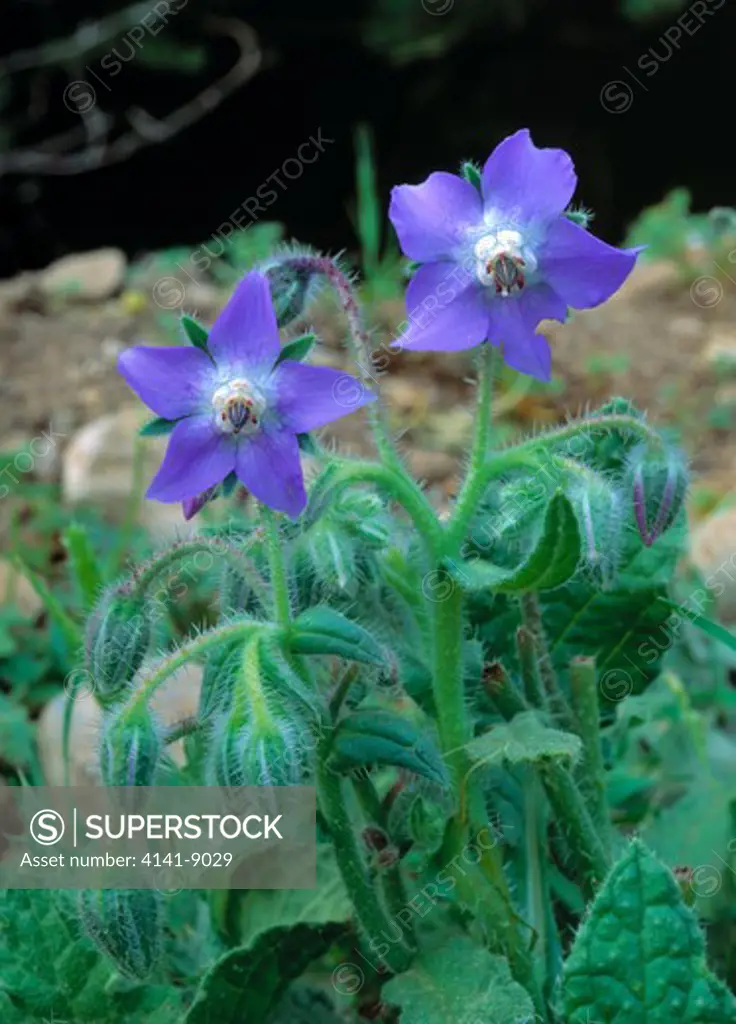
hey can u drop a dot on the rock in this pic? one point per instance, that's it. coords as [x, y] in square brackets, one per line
[85, 277]
[720, 349]
[647, 279]
[99, 468]
[19, 292]
[432, 467]
[713, 552]
[177, 699]
[16, 589]
[39, 456]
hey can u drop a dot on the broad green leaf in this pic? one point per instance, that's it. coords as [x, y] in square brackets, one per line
[366, 738]
[323, 630]
[524, 740]
[640, 955]
[459, 982]
[83, 561]
[245, 985]
[195, 332]
[552, 562]
[261, 909]
[298, 349]
[157, 427]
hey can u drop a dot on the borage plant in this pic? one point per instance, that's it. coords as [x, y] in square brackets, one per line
[442, 681]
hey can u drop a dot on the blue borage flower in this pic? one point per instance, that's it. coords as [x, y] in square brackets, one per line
[238, 408]
[499, 259]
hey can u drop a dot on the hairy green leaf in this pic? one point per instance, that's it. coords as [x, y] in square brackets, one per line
[640, 955]
[459, 981]
[323, 630]
[245, 985]
[525, 740]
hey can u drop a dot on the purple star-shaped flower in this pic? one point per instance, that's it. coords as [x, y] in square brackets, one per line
[496, 262]
[238, 409]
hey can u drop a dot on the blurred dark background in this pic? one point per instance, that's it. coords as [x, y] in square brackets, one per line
[438, 81]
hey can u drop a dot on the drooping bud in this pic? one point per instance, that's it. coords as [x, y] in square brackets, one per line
[659, 481]
[126, 925]
[256, 742]
[294, 281]
[249, 752]
[118, 637]
[131, 747]
[599, 509]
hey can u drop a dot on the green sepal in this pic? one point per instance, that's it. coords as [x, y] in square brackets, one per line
[323, 630]
[229, 484]
[195, 333]
[580, 216]
[366, 738]
[472, 173]
[157, 427]
[552, 562]
[306, 444]
[297, 350]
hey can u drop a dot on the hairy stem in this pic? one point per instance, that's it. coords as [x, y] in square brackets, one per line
[474, 485]
[532, 615]
[584, 690]
[370, 914]
[279, 582]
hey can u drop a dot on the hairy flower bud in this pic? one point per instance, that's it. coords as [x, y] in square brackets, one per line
[248, 752]
[126, 925]
[131, 748]
[294, 282]
[600, 514]
[660, 481]
[118, 637]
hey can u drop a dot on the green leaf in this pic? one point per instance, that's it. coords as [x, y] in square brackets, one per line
[524, 740]
[245, 985]
[461, 982]
[366, 738]
[552, 562]
[195, 332]
[83, 561]
[70, 631]
[298, 349]
[259, 910]
[323, 630]
[714, 629]
[157, 427]
[640, 955]
[16, 734]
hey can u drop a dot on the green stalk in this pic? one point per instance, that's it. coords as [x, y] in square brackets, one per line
[279, 583]
[584, 690]
[587, 852]
[474, 486]
[371, 916]
[389, 878]
[527, 652]
[532, 615]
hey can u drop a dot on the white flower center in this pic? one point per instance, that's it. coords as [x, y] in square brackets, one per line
[503, 261]
[238, 407]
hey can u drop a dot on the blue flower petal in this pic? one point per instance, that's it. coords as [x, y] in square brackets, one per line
[447, 310]
[169, 379]
[268, 464]
[527, 182]
[308, 397]
[580, 267]
[197, 458]
[245, 333]
[431, 219]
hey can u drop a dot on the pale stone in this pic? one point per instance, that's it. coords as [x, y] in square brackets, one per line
[99, 468]
[720, 348]
[175, 700]
[713, 552]
[15, 589]
[86, 277]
